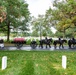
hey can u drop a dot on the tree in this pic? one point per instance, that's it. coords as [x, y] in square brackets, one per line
[41, 26]
[37, 25]
[2, 14]
[63, 15]
[17, 14]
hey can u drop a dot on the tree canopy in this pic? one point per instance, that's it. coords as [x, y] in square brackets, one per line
[17, 15]
[41, 26]
[63, 15]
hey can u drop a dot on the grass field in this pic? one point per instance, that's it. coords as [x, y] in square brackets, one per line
[38, 63]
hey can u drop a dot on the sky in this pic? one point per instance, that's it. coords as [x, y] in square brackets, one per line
[38, 7]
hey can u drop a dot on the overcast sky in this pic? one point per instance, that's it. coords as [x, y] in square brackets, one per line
[37, 7]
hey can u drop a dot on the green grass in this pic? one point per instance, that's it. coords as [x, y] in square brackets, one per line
[38, 63]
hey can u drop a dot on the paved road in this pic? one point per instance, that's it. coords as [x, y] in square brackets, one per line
[28, 48]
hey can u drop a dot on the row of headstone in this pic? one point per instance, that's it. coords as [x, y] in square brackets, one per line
[4, 62]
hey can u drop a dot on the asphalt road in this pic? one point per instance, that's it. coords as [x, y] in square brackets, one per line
[28, 48]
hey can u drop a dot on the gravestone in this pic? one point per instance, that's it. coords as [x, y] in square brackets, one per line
[64, 61]
[4, 62]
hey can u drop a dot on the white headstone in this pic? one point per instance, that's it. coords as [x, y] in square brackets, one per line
[64, 61]
[4, 62]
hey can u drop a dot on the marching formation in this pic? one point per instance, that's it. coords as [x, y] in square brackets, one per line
[47, 42]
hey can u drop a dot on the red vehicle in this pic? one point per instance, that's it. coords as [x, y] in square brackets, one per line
[19, 42]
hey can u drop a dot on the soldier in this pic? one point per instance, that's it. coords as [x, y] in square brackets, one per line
[45, 39]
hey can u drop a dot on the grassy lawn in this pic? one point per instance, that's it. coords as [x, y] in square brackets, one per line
[38, 63]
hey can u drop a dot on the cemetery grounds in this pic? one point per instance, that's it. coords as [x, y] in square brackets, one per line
[38, 62]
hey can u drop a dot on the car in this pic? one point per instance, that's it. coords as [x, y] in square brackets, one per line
[1, 43]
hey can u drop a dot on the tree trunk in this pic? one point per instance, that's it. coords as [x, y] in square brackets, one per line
[40, 33]
[64, 34]
[8, 31]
